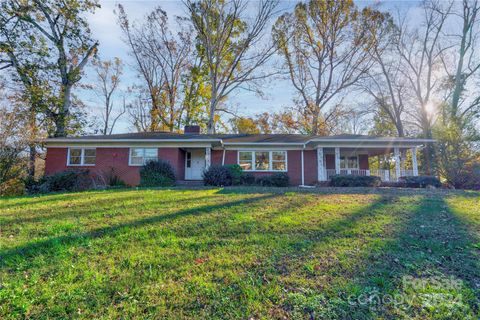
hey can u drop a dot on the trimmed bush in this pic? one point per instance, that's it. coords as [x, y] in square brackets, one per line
[157, 173]
[247, 179]
[421, 181]
[354, 181]
[264, 181]
[218, 176]
[236, 172]
[280, 179]
[70, 180]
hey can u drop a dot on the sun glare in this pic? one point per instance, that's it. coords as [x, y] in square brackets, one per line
[430, 108]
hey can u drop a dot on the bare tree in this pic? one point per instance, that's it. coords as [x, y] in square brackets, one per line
[139, 113]
[108, 75]
[231, 46]
[326, 50]
[354, 120]
[421, 50]
[465, 60]
[386, 83]
[162, 58]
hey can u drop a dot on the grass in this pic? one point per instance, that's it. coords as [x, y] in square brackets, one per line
[241, 253]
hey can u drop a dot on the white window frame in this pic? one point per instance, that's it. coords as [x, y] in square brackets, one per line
[143, 156]
[82, 158]
[270, 163]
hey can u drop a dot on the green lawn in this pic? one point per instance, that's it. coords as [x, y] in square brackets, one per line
[241, 253]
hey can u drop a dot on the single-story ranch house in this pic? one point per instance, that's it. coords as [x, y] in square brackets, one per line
[306, 159]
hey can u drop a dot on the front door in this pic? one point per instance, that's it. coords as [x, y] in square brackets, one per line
[194, 164]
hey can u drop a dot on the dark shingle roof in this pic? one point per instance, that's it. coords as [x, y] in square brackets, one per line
[229, 138]
[144, 136]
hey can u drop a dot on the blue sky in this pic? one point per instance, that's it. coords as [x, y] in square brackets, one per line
[278, 92]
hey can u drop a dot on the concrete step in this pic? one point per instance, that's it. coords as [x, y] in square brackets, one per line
[189, 183]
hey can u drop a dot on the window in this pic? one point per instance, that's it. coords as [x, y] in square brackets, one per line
[81, 156]
[263, 160]
[349, 162]
[139, 156]
[279, 161]
[246, 160]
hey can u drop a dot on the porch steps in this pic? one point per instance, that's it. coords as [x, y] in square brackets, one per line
[189, 183]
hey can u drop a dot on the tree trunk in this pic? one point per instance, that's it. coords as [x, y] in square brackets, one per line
[399, 125]
[315, 121]
[459, 81]
[154, 113]
[62, 116]
[107, 116]
[211, 118]
[59, 121]
[429, 155]
[32, 145]
[31, 159]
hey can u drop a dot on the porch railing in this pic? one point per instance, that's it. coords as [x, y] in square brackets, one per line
[385, 175]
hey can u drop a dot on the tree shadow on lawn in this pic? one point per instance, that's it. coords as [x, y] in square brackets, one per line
[277, 248]
[87, 207]
[234, 243]
[21, 202]
[31, 201]
[20, 257]
[404, 254]
[23, 254]
[429, 270]
[427, 254]
[393, 191]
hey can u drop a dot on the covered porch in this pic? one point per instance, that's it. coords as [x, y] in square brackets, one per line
[357, 161]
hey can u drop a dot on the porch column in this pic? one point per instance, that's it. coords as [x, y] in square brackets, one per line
[321, 165]
[396, 153]
[414, 161]
[337, 160]
[208, 157]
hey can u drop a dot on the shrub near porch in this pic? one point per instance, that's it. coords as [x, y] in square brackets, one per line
[240, 253]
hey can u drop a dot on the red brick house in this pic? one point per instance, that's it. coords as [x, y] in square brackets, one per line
[306, 159]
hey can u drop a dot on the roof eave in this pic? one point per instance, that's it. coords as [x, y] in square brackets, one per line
[56, 140]
[371, 140]
[263, 143]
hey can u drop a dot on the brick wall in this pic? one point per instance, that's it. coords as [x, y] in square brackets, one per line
[114, 160]
[117, 159]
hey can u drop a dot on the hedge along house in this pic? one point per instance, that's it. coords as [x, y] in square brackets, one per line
[306, 159]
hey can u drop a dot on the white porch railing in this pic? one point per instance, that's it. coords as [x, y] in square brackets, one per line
[385, 175]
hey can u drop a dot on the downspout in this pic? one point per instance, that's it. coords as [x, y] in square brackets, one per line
[223, 155]
[303, 167]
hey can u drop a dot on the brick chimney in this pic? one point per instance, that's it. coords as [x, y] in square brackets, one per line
[191, 130]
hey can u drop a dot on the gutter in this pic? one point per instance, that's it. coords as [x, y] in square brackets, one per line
[370, 140]
[263, 143]
[128, 140]
[223, 154]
